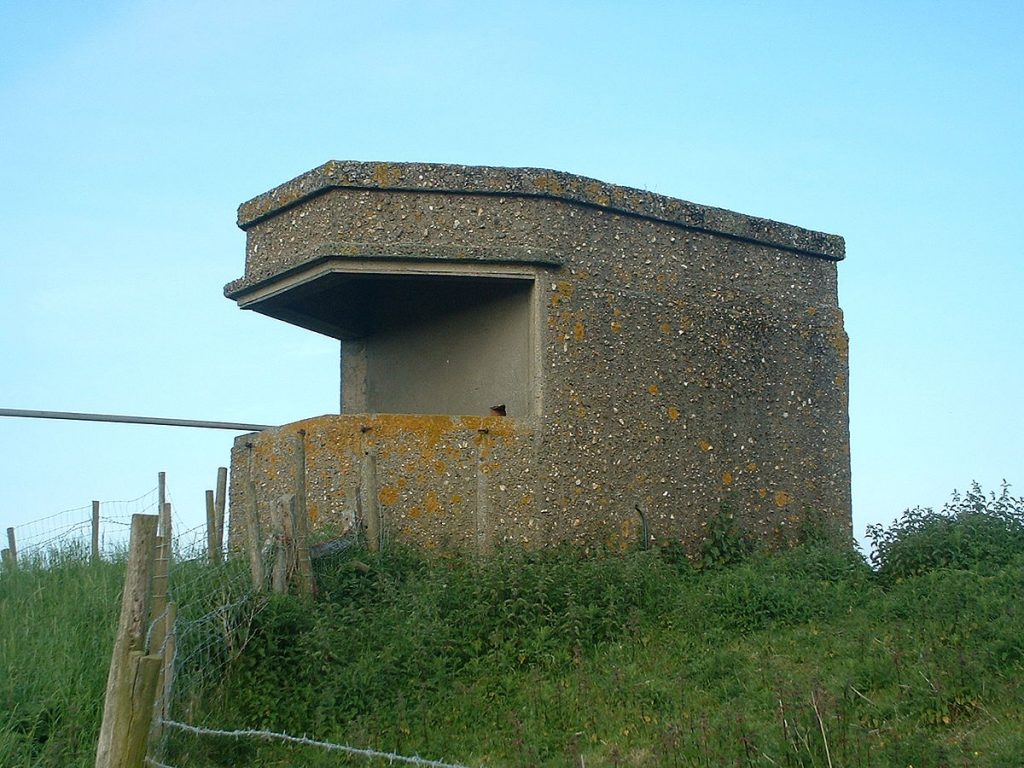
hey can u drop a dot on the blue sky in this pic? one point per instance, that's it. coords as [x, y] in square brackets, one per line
[131, 131]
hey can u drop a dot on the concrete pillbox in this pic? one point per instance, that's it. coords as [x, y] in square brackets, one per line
[529, 357]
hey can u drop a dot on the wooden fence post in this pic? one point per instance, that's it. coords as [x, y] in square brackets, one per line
[12, 549]
[161, 492]
[95, 539]
[303, 560]
[368, 497]
[483, 497]
[5, 559]
[166, 528]
[112, 746]
[300, 472]
[300, 521]
[212, 547]
[158, 601]
[253, 528]
[284, 543]
[220, 503]
[170, 649]
[144, 676]
[161, 574]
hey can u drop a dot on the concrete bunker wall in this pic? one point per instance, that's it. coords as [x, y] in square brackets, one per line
[440, 345]
[654, 353]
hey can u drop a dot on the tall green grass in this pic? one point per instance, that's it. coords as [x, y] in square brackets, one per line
[57, 623]
[805, 657]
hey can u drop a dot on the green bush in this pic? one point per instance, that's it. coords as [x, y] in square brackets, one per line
[801, 657]
[723, 542]
[785, 588]
[973, 530]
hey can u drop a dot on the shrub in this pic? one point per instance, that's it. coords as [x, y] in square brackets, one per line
[724, 543]
[973, 530]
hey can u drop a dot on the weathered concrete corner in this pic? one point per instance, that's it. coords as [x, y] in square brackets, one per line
[646, 352]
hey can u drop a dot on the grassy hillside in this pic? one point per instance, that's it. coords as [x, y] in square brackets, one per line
[57, 628]
[808, 657]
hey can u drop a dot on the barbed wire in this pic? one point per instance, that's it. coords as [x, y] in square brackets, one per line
[392, 757]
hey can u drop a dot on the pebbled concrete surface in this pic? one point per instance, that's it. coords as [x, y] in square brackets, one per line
[686, 358]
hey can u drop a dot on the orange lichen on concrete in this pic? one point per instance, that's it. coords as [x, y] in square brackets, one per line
[840, 341]
[386, 174]
[782, 499]
[563, 292]
[633, 336]
[430, 502]
[425, 470]
[548, 182]
[596, 194]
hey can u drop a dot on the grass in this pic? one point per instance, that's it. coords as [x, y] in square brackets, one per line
[807, 657]
[57, 624]
[800, 659]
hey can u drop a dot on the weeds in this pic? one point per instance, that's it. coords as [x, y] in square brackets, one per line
[973, 530]
[808, 657]
[57, 627]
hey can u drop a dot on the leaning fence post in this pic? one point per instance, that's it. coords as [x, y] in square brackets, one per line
[158, 602]
[111, 747]
[165, 679]
[144, 677]
[95, 540]
[220, 505]
[212, 548]
[12, 549]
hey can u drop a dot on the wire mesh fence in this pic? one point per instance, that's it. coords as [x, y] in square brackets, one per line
[218, 605]
[98, 529]
[212, 606]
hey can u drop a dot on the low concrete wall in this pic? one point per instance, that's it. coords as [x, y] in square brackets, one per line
[439, 482]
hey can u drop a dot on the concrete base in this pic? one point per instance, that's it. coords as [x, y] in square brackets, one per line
[439, 482]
